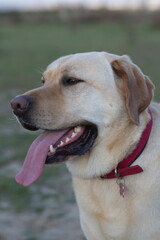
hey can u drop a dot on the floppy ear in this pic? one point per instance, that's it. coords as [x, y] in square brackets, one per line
[134, 86]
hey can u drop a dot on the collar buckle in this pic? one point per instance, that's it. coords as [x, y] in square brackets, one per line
[116, 173]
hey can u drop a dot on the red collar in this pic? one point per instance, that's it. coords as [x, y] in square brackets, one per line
[124, 168]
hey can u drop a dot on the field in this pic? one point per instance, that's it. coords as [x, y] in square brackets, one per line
[47, 209]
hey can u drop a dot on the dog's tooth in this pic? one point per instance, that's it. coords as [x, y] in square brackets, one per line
[77, 129]
[61, 144]
[67, 139]
[73, 135]
[52, 149]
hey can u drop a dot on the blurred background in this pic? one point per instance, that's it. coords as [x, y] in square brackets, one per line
[33, 33]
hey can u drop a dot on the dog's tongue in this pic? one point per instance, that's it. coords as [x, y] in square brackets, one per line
[34, 162]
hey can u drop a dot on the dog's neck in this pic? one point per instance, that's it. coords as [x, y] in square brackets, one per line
[116, 144]
[124, 168]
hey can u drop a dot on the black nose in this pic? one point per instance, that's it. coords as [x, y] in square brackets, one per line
[20, 104]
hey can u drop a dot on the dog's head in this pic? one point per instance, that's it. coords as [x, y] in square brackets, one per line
[83, 99]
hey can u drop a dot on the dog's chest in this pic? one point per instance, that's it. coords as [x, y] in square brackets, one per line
[107, 215]
[103, 203]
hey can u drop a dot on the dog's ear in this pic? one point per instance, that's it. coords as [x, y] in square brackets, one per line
[136, 88]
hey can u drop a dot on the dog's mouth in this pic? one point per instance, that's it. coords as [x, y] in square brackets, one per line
[53, 147]
[76, 141]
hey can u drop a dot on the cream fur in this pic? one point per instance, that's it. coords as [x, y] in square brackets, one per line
[104, 214]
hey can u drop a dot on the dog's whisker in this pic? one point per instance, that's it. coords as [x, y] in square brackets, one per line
[38, 69]
[11, 120]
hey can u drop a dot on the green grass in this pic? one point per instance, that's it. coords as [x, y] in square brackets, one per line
[17, 195]
[26, 50]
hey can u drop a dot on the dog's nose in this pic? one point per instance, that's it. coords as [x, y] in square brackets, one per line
[20, 104]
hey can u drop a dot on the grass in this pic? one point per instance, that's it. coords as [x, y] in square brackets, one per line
[25, 51]
[18, 195]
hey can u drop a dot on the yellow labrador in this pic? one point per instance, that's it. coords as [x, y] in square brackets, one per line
[97, 113]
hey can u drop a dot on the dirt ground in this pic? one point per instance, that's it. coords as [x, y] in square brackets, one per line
[52, 219]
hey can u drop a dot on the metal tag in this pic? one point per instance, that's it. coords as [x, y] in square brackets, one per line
[121, 183]
[121, 189]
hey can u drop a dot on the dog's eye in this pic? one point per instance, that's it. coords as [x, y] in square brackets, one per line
[69, 81]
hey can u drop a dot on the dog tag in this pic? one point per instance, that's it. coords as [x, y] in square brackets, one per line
[121, 189]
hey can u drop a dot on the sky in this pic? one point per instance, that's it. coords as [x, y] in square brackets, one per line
[113, 4]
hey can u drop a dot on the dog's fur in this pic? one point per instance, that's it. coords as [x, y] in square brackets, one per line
[114, 96]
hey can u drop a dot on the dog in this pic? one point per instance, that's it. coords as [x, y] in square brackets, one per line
[98, 117]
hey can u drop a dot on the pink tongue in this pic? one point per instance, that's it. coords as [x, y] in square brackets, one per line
[34, 162]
